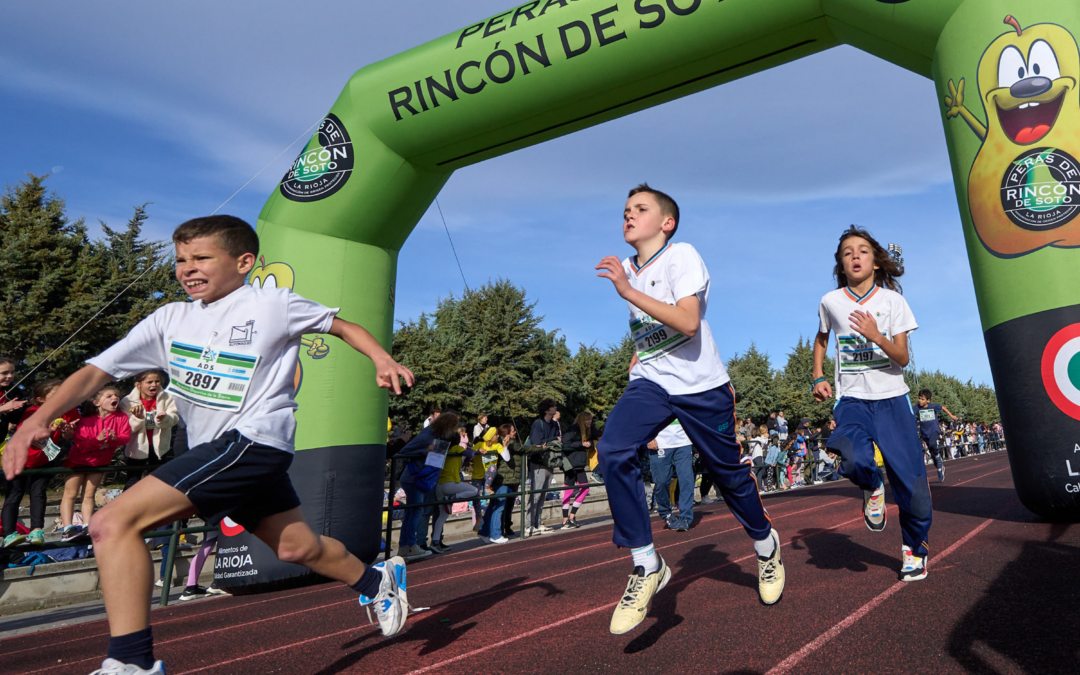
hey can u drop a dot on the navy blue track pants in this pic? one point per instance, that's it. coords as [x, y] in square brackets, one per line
[708, 418]
[891, 424]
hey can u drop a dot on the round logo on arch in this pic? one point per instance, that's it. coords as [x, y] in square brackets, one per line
[323, 167]
[1061, 370]
[231, 528]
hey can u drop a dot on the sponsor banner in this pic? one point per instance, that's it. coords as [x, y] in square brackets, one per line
[1036, 364]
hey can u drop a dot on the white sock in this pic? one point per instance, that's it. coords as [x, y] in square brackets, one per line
[765, 547]
[646, 557]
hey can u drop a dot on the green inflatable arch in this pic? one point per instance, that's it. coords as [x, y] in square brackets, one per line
[1007, 76]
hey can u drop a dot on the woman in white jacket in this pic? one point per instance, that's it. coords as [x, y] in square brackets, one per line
[152, 414]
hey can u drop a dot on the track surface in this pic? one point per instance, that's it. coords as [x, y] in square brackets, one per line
[1000, 598]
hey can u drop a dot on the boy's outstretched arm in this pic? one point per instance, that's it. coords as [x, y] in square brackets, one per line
[822, 390]
[948, 413]
[684, 316]
[387, 370]
[86, 382]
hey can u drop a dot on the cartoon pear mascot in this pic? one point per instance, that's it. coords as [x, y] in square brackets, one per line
[280, 275]
[1024, 186]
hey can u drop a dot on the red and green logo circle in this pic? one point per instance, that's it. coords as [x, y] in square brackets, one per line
[1061, 370]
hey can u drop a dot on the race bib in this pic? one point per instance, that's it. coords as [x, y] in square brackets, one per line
[653, 339]
[927, 415]
[210, 378]
[48, 448]
[857, 354]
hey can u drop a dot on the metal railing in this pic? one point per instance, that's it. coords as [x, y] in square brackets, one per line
[173, 531]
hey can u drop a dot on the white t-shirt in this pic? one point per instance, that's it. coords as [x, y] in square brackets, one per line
[251, 338]
[679, 364]
[863, 369]
[757, 447]
[672, 436]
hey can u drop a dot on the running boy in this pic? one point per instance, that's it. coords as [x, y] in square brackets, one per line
[676, 373]
[241, 441]
[930, 429]
[872, 320]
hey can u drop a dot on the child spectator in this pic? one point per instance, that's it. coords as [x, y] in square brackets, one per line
[40, 455]
[491, 447]
[10, 404]
[479, 428]
[771, 457]
[444, 428]
[97, 437]
[152, 414]
[577, 441]
[449, 487]
[545, 430]
[193, 589]
[758, 445]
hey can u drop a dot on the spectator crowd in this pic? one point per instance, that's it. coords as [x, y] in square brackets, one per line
[484, 464]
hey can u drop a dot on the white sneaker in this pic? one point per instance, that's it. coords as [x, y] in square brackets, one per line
[771, 576]
[914, 567]
[634, 604]
[114, 667]
[500, 540]
[392, 603]
[875, 513]
[160, 583]
[530, 532]
[544, 529]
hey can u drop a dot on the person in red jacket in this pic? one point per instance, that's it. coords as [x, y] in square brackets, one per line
[39, 456]
[97, 438]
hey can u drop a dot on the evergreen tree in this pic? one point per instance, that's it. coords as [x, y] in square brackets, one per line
[795, 397]
[755, 384]
[53, 280]
[485, 353]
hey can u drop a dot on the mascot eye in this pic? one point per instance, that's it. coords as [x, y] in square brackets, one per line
[1011, 67]
[1043, 60]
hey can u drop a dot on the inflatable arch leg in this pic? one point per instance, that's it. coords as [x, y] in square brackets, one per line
[550, 67]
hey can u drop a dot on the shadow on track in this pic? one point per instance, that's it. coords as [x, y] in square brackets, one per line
[438, 628]
[834, 551]
[982, 502]
[1026, 621]
[664, 606]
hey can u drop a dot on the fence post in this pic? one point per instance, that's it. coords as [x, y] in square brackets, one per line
[166, 584]
[390, 507]
[524, 477]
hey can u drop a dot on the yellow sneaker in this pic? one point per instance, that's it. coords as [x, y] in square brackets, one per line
[771, 575]
[639, 592]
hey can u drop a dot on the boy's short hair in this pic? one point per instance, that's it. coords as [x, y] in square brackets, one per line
[5, 360]
[668, 207]
[233, 234]
[925, 393]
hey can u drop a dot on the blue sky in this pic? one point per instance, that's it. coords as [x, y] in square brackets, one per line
[181, 104]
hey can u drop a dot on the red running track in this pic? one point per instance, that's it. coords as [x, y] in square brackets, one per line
[999, 599]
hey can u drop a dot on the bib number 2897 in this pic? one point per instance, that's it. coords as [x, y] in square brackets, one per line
[200, 380]
[210, 378]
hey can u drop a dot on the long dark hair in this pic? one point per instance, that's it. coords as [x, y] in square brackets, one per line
[887, 270]
[446, 424]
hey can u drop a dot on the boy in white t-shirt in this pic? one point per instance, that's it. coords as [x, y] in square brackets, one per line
[676, 373]
[237, 403]
[872, 320]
